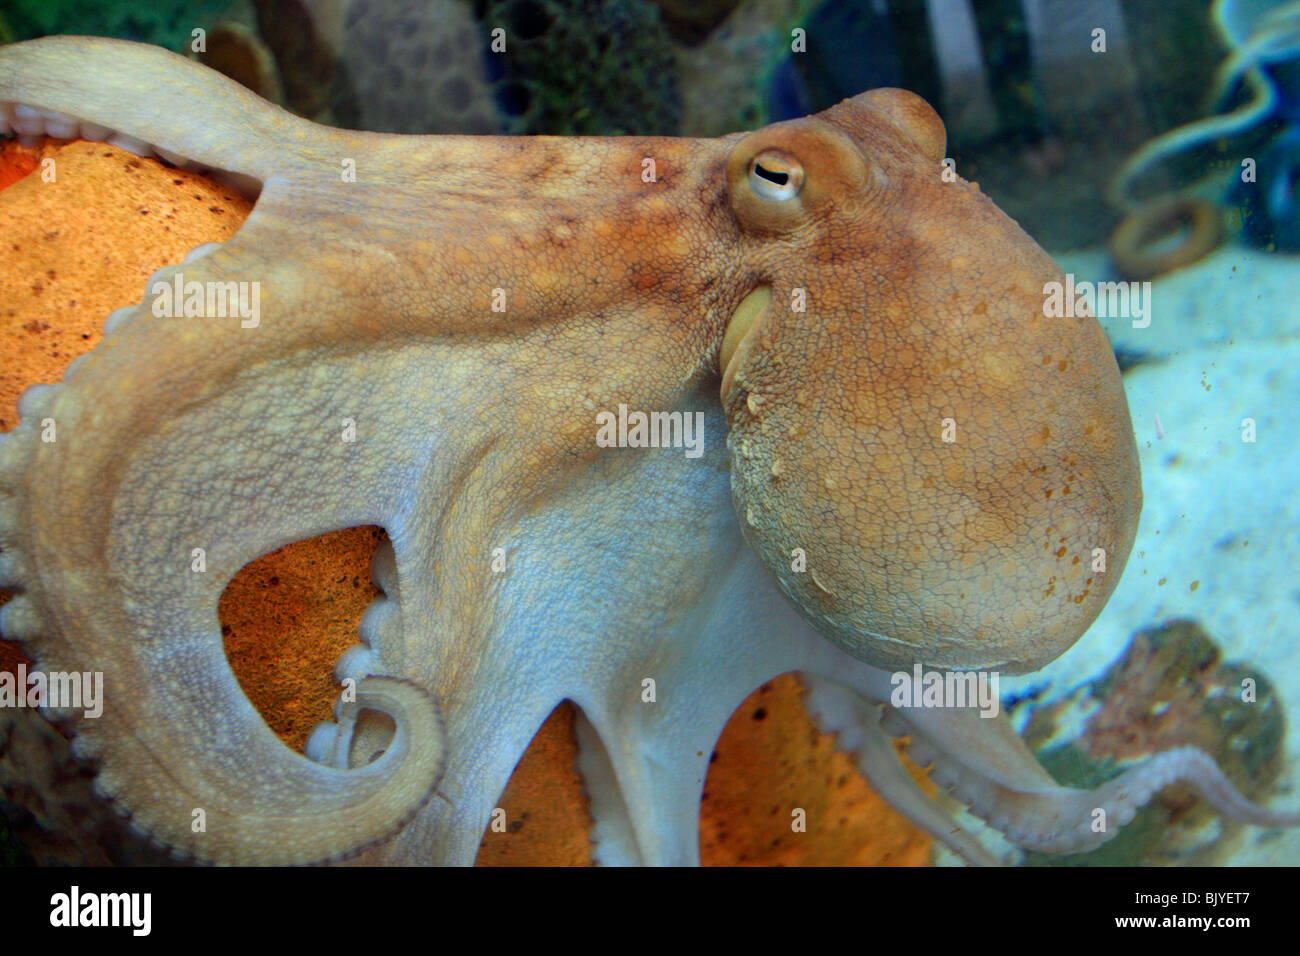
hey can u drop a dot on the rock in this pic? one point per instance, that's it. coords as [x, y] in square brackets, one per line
[1170, 689]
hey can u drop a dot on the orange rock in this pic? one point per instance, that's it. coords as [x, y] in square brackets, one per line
[83, 245]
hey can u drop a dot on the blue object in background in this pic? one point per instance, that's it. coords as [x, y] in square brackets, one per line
[1286, 79]
[851, 48]
[1270, 206]
[787, 96]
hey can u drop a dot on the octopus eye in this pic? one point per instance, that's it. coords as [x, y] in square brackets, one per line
[775, 175]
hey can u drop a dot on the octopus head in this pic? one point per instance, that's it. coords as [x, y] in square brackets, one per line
[936, 466]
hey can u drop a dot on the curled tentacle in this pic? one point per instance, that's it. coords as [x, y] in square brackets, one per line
[103, 502]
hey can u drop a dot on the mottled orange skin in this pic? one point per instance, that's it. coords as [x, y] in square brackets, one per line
[924, 304]
[468, 303]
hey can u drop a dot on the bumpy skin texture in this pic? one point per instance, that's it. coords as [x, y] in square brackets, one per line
[475, 430]
[923, 303]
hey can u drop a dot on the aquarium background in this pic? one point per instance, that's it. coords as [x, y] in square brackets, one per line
[1042, 112]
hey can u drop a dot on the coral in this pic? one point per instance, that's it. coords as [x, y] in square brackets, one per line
[415, 67]
[585, 67]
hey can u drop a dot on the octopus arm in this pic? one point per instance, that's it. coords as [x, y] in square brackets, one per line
[984, 763]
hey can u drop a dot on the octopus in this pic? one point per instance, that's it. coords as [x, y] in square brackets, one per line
[647, 421]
